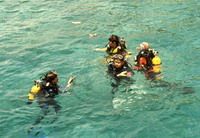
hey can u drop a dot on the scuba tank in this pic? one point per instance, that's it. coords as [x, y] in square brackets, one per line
[156, 61]
[34, 90]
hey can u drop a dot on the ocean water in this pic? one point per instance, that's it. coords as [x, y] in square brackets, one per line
[41, 35]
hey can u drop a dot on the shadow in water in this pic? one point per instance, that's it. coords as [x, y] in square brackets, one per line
[172, 86]
[117, 83]
[35, 131]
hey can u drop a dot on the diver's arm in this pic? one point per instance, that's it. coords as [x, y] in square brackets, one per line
[105, 49]
[101, 49]
[136, 64]
[122, 74]
[128, 72]
[125, 74]
[69, 84]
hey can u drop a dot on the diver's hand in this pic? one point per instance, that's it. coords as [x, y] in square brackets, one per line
[129, 53]
[124, 74]
[136, 68]
[129, 74]
[139, 68]
[100, 49]
[70, 81]
[69, 84]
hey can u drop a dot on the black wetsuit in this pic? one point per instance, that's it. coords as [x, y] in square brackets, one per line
[117, 79]
[47, 96]
[115, 71]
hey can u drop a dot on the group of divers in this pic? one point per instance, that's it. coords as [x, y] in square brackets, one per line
[147, 61]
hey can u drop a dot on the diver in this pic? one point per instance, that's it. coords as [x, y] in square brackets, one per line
[115, 45]
[148, 61]
[119, 69]
[45, 90]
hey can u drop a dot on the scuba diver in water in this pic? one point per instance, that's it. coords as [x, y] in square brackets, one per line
[45, 90]
[148, 61]
[119, 69]
[115, 45]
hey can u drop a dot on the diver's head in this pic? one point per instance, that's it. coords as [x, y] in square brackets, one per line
[142, 61]
[118, 60]
[143, 45]
[113, 41]
[51, 77]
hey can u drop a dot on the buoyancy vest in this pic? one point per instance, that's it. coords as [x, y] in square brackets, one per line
[120, 49]
[43, 89]
[156, 62]
[112, 51]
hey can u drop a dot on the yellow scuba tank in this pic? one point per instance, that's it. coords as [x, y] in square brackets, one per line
[156, 61]
[34, 90]
[31, 96]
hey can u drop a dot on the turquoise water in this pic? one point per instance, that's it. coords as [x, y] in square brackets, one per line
[40, 35]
